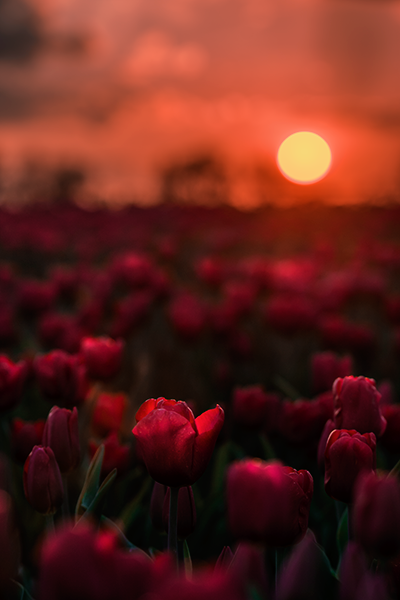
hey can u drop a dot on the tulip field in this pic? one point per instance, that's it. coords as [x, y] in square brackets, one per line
[200, 403]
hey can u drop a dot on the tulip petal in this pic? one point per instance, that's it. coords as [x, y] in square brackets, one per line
[165, 442]
[146, 408]
[209, 424]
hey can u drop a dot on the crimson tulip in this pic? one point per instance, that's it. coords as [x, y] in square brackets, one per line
[356, 405]
[42, 481]
[376, 515]
[61, 377]
[347, 453]
[62, 435]
[268, 502]
[326, 367]
[109, 412]
[12, 379]
[251, 406]
[25, 435]
[175, 446]
[116, 455]
[102, 356]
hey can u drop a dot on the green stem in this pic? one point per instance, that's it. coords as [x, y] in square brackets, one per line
[173, 521]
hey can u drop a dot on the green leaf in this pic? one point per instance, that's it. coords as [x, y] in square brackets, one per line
[129, 513]
[187, 559]
[97, 505]
[91, 483]
[19, 592]
[342, 533]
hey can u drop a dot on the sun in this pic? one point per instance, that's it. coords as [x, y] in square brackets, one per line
[304, 157]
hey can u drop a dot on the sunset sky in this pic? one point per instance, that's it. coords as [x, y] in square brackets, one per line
[125, 88]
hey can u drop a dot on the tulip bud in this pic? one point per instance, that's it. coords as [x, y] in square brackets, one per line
[62, 435]
[42, 481]
[12, 379]
[268, 502]
[25, 435]
[347, 454]
[186, 512]
[356, 405]
[376, 515]
[102, 356]
[61, 378]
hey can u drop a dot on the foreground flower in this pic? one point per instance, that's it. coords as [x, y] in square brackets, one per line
[347, 453]
[356, 405]
[175, 446]
[268, 502]
[42, 481]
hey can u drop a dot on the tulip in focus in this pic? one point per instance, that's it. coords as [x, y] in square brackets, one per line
[102, 356]
[61, 433]
[42, 481]
[347, 454]
[175, 447]
[268, 502]
[357, 405]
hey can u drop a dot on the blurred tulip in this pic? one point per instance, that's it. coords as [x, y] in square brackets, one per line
[116, 455]
[326, 367]
[353, 567]
[302, 421]
[357, 405]
[25, 435]
[83, 564]
[12, 379]
[187, 315]
[347, 454]
[42, 481]
[61, 378]
[175, 446]
[102, 356]
[36, 296]
[108, 412]
[391, 436]
[376, 515]
[9, 542]
[268, 502]
[61, 433]
[251, 406]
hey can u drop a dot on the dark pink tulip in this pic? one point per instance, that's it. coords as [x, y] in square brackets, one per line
[42, 481]
[347, 454]
[376, 516]
[102, 356]
[25, 435]
[61, 378]
[12, 379]
[175, 446]
[62, 435]
[83, 564]
[326, 367]
[268, 502]
[357, 405]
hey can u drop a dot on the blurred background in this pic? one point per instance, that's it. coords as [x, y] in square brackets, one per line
[147, 102]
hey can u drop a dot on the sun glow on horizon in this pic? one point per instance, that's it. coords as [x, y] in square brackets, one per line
[304, 157]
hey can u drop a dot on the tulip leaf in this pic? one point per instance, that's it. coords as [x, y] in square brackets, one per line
[187, 559]
[96, 506]
[342, 534]
[91, 483]
[20, 592]
[129, 513]
[395, 472]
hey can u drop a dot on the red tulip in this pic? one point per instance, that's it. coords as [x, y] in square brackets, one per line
[25, 435]
[12, 379]
[268, 502]
[109, 412]
[61, 378]
[116, 455]
[175, 446]
[356, 405]
[347, 454]
[62, 435]
[326, 367]
[376, 515]
[302, 421]
[42, 481]
[102, 356]
[250, 406]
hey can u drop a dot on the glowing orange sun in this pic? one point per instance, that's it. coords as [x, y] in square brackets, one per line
[304, 157]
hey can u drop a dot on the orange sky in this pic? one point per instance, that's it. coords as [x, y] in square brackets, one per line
[127, 87]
